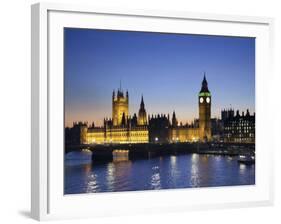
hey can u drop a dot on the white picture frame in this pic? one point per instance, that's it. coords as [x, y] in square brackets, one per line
[48, 201]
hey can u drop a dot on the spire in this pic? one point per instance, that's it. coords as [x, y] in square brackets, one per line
[204, 87]
[120, 91]
[142, 119]
[142, 103]
[237, 113]
[174, 120]
[123, 121]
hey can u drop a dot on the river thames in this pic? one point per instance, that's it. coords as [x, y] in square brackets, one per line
[167, 172]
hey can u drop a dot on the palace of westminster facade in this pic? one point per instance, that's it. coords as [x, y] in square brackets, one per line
[125, 129]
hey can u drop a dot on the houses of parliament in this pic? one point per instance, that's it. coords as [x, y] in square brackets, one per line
[124, 128]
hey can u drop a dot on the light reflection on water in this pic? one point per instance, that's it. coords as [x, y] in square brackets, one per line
[242, 168]
[110, 177]
[180, 171]
[155, 178]
[194, 179]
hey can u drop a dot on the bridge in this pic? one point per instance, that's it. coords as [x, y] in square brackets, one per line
[108, 152]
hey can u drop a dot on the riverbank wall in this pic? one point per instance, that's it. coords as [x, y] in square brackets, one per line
[150, 150]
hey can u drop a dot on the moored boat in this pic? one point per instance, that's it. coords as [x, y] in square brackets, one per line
[246, 159]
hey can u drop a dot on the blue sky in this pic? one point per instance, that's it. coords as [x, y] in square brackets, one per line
[166, 68]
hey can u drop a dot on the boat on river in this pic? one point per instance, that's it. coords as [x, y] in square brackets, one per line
[247, 159]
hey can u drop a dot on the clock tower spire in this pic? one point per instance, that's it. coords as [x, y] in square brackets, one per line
[204, 99]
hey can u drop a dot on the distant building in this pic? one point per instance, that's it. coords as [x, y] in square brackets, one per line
[123, 128]
[217, 129]
[184, 132]
[238, 128]
[77, 134]
[159, 127]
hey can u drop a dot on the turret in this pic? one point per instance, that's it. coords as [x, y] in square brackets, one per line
[120, 105]
[142, 119]
[123, 121]
[113, 95]
[237, 113]
[174, 120]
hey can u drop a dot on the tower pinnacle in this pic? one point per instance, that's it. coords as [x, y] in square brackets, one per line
[142, 120]
[142, 103]
[174, 120]
[204, 87]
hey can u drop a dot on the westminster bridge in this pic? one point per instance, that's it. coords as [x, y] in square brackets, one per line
[107, 152]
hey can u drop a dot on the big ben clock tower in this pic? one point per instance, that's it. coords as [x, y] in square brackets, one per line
[204, 99]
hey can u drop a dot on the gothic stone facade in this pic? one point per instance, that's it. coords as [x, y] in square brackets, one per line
[123, 128]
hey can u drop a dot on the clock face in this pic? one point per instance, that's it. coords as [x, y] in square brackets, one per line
[201, 99]
[208, 100]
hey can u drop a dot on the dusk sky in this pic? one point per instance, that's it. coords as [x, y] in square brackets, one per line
[166, 68]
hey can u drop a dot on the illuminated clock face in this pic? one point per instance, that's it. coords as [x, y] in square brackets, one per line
[201, 99]
[208, 100]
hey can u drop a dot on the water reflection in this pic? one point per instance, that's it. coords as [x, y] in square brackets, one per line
[120, 155]
[194, 180]
[88, 168]
[110, 176]
[173, 161]
[92, 184]
[155, 178]
[180, 171]
[242, 168]
[174, 168]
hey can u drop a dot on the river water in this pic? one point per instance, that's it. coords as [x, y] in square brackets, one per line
[180, 171]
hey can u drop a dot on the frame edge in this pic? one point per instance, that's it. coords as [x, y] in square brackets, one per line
[39, 168]
[35, 177]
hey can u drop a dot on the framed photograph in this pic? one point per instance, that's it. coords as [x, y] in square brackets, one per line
[148, 111]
